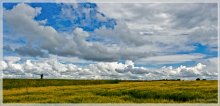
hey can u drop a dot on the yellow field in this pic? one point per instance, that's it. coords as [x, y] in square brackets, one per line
[121, 92]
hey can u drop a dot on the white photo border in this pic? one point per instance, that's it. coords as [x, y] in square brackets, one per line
[104, 1]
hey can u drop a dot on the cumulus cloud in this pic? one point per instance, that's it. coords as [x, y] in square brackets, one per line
[143, 33]
[212, 64]
[44, 37]
[44, 40]
[128, 34]
[171, 59]
[52, 68]
[12, 59]
[173, 27]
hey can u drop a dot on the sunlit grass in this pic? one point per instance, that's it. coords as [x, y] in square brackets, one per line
[92, 91]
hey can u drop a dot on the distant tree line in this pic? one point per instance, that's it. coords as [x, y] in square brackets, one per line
[197, 79]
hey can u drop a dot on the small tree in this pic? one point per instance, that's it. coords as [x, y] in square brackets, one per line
[41, 76]
[197, 79]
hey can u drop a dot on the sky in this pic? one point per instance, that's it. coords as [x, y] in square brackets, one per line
[133, 41]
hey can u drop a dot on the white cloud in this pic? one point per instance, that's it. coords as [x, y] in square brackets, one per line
[163, 25]
[12, 59]
[212, 64]
[39, 38]
[144, 33]
[3, 65]
[170, 25]
[171, 59]
[52, 68]
[45, 40]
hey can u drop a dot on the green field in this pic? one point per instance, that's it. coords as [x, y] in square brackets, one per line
[108, 91]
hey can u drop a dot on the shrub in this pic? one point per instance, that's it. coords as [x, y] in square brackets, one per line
[197, 79]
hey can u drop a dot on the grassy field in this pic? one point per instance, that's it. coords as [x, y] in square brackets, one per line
[108, 91]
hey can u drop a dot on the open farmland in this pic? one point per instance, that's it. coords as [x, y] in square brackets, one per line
[108, 91]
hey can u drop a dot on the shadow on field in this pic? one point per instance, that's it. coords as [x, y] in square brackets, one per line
[21, 83]
[140, 94]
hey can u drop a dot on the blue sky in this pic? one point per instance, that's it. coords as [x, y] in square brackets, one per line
[150, 35]
[52, 12]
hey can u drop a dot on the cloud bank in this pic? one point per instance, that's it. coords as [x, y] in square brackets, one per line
[52, 68]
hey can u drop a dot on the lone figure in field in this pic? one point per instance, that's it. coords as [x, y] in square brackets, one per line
[41, 76]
